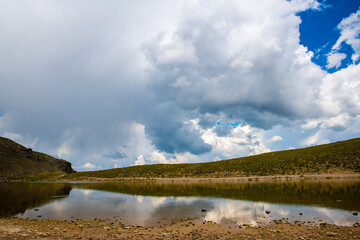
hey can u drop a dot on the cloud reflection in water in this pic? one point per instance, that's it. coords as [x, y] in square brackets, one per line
[152, 211]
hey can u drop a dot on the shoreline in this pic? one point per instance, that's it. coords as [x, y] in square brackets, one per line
[335, 176]
[15, 228]
[301, 177]
[189, 228]
[298, 177]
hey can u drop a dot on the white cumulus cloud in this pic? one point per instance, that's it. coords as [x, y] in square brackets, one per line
[90, 166]
[335, 59]
[350, 33]
[276, 139]
[315, 139]
[139, 161]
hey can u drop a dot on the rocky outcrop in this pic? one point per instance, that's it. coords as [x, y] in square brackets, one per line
[64, 166]
[16, 160]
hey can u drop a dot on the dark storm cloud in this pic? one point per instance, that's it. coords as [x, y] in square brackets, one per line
[168, 131]
[202, 68]
[71, 72]
[178, 140]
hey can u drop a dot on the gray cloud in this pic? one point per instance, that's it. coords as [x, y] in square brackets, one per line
[116, 155]
[212, 65]
[222, 131]
[82, 79]
[71, 73]
[168, 131]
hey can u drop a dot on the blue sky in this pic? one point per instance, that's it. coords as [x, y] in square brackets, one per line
[319, 32]
[121, 83]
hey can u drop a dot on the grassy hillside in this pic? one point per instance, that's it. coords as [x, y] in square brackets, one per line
[339, 156]
[16, 160]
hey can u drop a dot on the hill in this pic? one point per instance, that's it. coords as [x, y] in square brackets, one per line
[17, 160]
[343, 156]
[334, 157]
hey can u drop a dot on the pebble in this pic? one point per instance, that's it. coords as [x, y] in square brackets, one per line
[322, 224]
[331, 234]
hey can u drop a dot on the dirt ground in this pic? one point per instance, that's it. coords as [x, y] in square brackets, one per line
[14, 228]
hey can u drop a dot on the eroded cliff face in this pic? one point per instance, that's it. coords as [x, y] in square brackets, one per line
[16, 160]
[65, 166]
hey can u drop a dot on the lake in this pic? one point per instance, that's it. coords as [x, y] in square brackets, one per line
[160, 204]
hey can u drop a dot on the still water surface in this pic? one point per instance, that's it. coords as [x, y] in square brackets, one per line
[154, 204]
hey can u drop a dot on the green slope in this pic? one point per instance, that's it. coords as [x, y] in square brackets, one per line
[339, 156]
[17, 160]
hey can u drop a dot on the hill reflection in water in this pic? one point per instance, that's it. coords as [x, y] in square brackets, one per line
[18, 197]
[334, 194]
[153, 204]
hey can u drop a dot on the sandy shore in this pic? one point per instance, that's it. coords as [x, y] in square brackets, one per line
[12, 228]
[322, 176]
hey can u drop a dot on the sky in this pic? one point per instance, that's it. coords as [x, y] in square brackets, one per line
[113, 83]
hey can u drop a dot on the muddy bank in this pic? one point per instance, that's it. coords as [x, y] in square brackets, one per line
[12, 228]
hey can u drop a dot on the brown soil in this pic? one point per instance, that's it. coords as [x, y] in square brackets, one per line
[13, 228]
